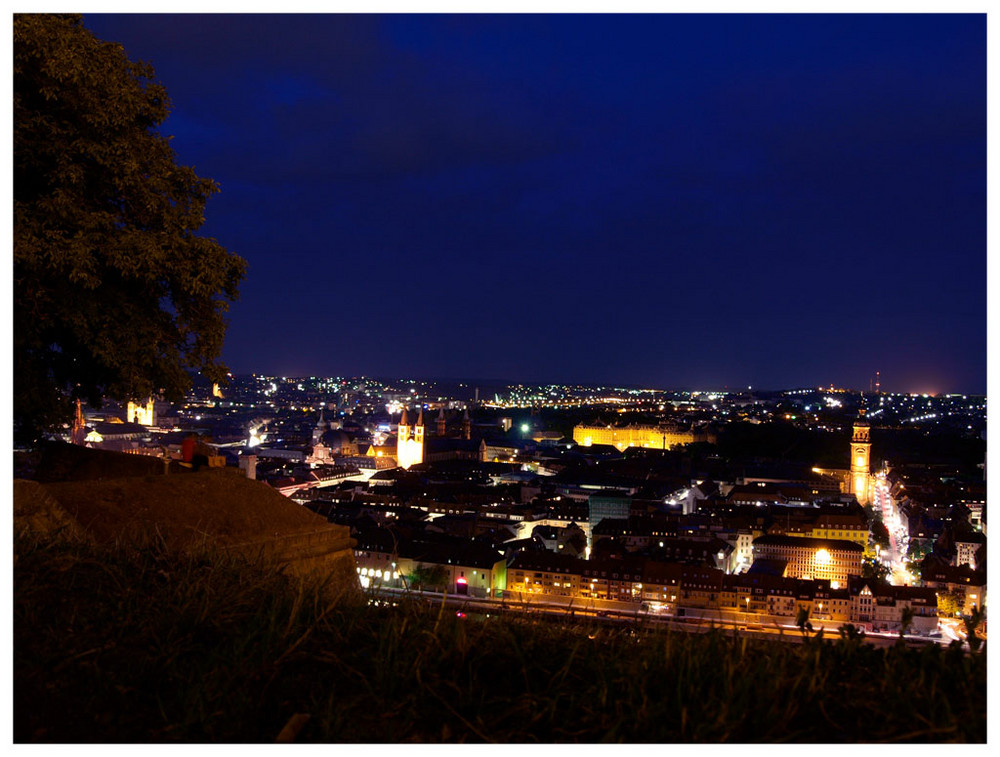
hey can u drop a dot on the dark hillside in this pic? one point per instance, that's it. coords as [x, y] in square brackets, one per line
[126, 645]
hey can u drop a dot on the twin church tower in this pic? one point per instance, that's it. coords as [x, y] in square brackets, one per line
[410, 444]
[411, 441]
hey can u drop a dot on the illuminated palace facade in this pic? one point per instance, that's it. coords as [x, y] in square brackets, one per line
[651, 437]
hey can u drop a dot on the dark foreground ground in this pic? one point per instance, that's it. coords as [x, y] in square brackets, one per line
[121, 643]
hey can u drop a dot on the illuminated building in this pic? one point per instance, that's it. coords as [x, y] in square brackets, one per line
[821, 559]
[755, 593]
[410, 448]
[836, 526]
[846, 527]
[968, 584]
[535, 575]
[465, 569]
[860, 454]
[824, 601]
[879, 607]
[677, 589]
[856, 480]
[144, 415]
[382, 452]
[967, 547]
[701, 587]
[651, 437]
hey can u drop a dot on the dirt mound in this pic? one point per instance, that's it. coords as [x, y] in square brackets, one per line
[59, 461]
[109, 496]
[212, 506]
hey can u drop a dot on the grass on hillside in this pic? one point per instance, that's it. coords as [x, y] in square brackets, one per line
[134, 645]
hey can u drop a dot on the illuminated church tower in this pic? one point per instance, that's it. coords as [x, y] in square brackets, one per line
[410, 450]
[78, 432]
[142, 414]
[418, 434]
[861, 447]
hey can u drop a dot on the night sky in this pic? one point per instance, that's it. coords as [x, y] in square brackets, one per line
[667, 201]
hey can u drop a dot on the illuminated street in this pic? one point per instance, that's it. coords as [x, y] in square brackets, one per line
[883, 503]
[694, 621]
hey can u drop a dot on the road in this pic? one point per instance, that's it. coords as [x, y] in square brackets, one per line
[884, 504]
[694, 621]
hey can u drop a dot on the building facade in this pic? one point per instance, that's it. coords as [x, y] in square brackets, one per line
[830, 560]
[651, 437]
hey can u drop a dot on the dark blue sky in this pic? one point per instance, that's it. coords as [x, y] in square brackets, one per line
[664, 200]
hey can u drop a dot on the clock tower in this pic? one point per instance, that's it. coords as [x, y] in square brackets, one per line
[861, 447]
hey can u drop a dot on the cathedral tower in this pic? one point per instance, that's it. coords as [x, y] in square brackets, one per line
[861, 447]
[141, 414]
[404, 427]
[441, 422]
[418, 433]
[410, 451]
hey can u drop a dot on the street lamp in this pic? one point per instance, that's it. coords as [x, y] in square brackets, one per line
[747, 600]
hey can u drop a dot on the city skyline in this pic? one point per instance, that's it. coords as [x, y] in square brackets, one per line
[766, 201]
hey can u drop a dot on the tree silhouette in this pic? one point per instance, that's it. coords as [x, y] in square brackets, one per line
[114, 293]
[905, 620]
[972, 622]
[802, 620]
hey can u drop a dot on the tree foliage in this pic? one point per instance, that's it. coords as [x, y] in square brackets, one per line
[114, 293]
[880, 534]
[874, 570]
[950, 603]
[428, 576]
